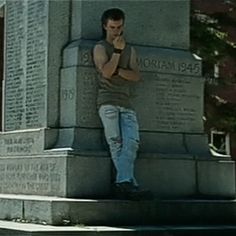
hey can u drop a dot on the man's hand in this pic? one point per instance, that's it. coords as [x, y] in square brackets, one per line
[119, 42]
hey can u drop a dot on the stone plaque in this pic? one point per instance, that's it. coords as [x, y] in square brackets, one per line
[15, 70]
[164, 102]
[169, 103]
[32, 176]
[27, 142]
[26, 62]
[36, 64]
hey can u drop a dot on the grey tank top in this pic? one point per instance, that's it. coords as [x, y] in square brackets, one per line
[115, 91]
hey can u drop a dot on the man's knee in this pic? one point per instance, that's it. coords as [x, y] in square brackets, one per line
[115, 143]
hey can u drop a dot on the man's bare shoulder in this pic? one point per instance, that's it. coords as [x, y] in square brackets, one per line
[99, 47]
[99, 56]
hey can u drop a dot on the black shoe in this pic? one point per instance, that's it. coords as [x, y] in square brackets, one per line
[128, 191]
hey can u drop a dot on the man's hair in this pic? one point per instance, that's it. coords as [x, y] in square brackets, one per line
[111, 14]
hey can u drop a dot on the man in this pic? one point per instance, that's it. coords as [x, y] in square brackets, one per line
[115, 61]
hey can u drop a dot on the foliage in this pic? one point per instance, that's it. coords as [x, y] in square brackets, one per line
[220, 114]
[212, 45]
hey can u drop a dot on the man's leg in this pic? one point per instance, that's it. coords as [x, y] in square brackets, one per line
[130, 142]
[110, 118]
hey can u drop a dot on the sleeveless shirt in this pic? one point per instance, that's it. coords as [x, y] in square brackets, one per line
[116, 90]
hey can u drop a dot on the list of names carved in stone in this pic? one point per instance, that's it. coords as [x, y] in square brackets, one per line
[173, 104]
[26, 64]
[15, 70]
[88, 93]
[36, 64]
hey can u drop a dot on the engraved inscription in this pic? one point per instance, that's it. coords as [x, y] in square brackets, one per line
[15, 71]
[174, 104]
[164, 102]
[68, 94]
[18, 145]
[155, 63]
[26, 62]
[35, 64]
[154, 60]
[86, 57]
[21, 143]
[30, 176]
[88, 86]
[168, 66]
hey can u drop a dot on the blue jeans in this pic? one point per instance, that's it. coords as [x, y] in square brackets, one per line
[122, 135]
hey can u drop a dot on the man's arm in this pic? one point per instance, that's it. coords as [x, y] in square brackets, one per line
[106, 67]
[132, 74]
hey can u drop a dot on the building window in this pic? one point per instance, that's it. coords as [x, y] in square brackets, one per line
[220, 143]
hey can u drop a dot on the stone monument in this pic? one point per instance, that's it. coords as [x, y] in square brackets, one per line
[52, 141]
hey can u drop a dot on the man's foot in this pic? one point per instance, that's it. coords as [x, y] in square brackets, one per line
[128, 191]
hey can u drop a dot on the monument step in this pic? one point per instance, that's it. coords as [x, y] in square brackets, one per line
[110, 212]
[20, 229]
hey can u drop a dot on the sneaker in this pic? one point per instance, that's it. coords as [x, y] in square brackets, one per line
[128, 191]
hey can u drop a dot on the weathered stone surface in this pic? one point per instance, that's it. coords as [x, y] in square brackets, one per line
[33, 61]
[59, 211]
[168, 99]
[25, 61]
[154, 59]
[173, 102]
[11, 208]
[154, 142]
[81, 139]
[18, 229]
[78, 97]
[167, 177]
[55, 175]
[32, 176]
[27, 142]
[69, 174]
[151, 142]
[164, 27]
[217, 178]
[197, 144]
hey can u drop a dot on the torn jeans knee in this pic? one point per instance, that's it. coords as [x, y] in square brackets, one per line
[115, 144]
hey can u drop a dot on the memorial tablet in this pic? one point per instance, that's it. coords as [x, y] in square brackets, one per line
[26, 61]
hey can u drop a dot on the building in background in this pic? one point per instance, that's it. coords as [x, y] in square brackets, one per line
[213, 37]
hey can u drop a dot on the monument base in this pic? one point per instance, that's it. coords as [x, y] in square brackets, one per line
[64, 211]
[85, 139]
[89, 175]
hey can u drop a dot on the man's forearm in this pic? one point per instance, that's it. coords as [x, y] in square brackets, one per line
[110, 67]
[129, 74]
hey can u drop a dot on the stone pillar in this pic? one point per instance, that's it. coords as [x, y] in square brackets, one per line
[36, 31]
[169, 99]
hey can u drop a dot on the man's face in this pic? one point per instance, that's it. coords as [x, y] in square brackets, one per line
[114, 28]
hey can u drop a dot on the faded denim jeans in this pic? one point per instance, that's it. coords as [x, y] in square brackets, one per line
[122, 135]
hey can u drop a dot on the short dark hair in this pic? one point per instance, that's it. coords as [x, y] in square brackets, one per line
[111, 14]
